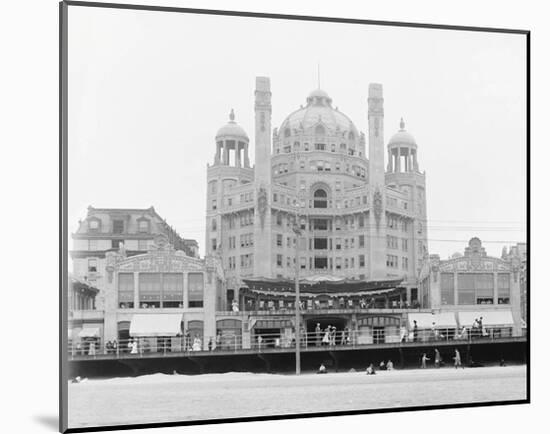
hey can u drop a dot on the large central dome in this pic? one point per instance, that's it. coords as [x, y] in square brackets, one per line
[316, 115]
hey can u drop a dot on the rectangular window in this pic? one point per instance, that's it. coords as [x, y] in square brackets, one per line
[303, 263]
[466, 288]
[195, 288]
[92, 245]
[320, 146]
[143, 226]
[279, 260]
[172, 290]
[447, 289]
[115, 244]
[484, 286]
[361, 261]
[214, 244]
[92, 265]
[125, 290]
[361, 241]
[405, 263]
[279, 240]
[149, 290]
[93, 225]
[405, 244]
[118, 226]
[320, 243]
[503, 284]
[143, 244]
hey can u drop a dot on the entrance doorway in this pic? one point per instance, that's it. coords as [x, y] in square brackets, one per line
[324, 322]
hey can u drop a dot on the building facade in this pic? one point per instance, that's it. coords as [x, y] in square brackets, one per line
[473, 286]
[359, 217]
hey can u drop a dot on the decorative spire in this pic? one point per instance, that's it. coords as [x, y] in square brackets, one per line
[318, 75]
[232, 116]
[402, 124]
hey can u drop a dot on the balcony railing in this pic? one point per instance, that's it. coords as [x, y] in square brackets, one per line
[278, 342]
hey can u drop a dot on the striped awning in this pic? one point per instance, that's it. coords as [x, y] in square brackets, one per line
[489, 318]
[425, 320]
[89, 332]
[157, 324]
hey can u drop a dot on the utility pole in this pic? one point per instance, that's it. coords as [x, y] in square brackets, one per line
[297, 337]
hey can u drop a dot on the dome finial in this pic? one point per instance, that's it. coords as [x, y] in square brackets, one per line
[232, 116]
[402, 124]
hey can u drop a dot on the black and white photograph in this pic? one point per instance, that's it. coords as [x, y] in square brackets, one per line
[271, 216]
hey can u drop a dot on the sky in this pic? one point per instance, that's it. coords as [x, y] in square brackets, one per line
[149, 90]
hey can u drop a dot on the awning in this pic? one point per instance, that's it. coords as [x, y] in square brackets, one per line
[489, 318]
[158, 324]
[426, 320]
[89, 333]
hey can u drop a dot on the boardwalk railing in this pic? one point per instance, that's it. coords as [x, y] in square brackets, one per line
[311, 341]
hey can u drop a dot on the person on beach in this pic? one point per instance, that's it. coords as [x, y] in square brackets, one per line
[437, 358]
[370, 370]
[91, 349]
[458, 361]
[425, 358]
[259, 340]
[333, 336]
[389, 366]
[210, 343]
[322, 369]
[382, 366]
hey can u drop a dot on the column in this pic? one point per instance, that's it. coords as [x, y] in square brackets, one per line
[136, 290]
[398, 168]
[218, 153]
[237, 153]
[455, 276]
[225, 153]
[415, 162]
[185, 290]
[246, 158]
[390, 162]
[495, 288]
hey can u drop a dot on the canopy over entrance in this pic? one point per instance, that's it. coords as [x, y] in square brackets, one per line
[89, 332]
[324, 285]
[154, 325]
[490, 318]
[427, 320]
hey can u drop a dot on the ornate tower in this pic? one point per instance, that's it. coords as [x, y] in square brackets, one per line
[403, 173]
[377, 199]
[231, 168]
[262, 179]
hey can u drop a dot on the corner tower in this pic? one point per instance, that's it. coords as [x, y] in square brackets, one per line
[404, 174]
[262, 178]
[377, 183]
[230, 169]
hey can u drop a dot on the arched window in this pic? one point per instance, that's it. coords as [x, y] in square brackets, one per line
[320, 130]
[320, 198]
[351, 136]
[214, 224]
[287, 132]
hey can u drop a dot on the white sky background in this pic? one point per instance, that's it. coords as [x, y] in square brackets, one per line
[149, 90]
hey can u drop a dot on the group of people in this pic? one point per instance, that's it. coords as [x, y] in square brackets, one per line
[111, 347]
[438, 360]
[328, 336]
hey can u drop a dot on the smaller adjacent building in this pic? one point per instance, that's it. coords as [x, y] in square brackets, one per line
[473, 286]
[519, 251]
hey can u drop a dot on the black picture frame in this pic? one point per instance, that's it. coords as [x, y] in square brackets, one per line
[64, 17]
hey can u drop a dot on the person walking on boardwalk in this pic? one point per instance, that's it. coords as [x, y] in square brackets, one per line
[424, 360]
[318, 335]
[458, 361]
[437, 358]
